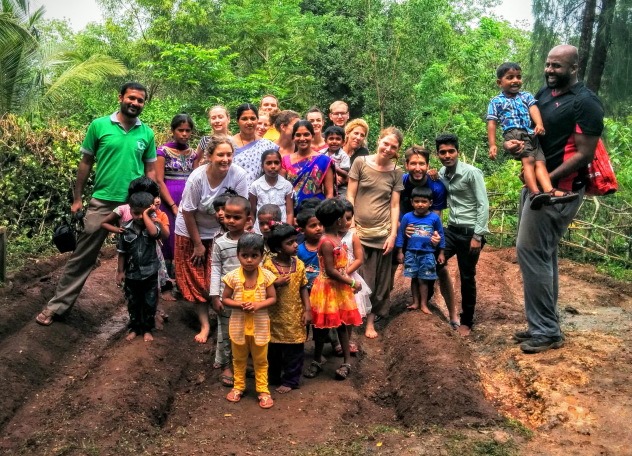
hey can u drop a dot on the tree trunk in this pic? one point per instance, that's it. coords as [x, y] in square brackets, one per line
[602, 42]
[585, 41]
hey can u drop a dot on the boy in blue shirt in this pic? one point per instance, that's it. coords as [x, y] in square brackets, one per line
[514, 110]
[417, 252]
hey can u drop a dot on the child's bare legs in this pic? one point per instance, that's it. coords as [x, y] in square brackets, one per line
[447, 291]
[423, 295]
[529, 174]
[353, 347]
[370, 331]
[345, 369]
[542, 175]
[201, 309]
[319, 343]
[414, 291]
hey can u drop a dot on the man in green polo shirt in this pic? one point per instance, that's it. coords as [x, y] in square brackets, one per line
[467, 221]
[122, 148]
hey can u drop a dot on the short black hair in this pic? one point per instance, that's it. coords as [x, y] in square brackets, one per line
[279, 232]
[421, 192]
[220, 200]
[303, 217]
[347, 206]
[140, 200]
[133, 86]
[271, 209]
[329, 211]
[251, 241]
[310, 203]
[447, 138]
[239, 201]
[143, 184]
[334, 130]
[502, 69]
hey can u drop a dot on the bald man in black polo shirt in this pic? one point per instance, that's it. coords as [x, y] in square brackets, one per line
[573, 120]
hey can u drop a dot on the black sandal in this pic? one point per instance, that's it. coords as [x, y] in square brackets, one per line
[537, 200]
[314, 369]
[343, 371]
[566, 197]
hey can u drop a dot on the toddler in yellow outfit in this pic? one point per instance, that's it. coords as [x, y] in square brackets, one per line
[249, 291]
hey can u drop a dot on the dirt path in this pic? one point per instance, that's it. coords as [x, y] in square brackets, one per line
[78, 387]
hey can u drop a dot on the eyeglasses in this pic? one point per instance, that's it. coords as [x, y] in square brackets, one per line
[339, 114]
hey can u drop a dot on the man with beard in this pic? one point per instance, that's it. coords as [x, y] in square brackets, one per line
[123, 149]
[573, 120]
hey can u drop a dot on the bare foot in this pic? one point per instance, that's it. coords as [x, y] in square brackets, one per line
[147, 337]
[159, 322]
[425, 310]
[167, 296]
[202, 336]
[283, 389]
[464, 330]
[131, 336]
[413, 307]
[370, 332]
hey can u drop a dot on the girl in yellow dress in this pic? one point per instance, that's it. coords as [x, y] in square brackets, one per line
[292, 312]
[332, 300]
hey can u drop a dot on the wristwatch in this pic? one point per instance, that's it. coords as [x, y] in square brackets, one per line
[477, 237]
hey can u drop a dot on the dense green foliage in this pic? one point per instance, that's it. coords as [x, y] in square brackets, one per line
[426, 66]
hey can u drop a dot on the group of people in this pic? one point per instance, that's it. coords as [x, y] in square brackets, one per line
[288, 225]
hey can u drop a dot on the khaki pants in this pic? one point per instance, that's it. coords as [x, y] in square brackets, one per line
[83, 259]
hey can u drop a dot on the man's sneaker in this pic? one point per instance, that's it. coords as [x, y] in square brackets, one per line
[540, 344]
[522, 336]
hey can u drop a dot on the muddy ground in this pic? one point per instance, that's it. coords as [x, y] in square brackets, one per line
[78, 388]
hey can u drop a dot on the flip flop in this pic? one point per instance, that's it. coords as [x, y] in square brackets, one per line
[455, 325]
[45, 317]
[227, 380]
[265, 401]
[234, 395]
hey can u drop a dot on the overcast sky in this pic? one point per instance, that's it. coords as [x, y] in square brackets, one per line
[80, 12]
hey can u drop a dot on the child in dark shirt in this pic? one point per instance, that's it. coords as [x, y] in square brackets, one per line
[138, 265]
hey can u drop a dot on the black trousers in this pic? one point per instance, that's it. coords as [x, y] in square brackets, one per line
[142, 301]
[285, 364]
[457, 242]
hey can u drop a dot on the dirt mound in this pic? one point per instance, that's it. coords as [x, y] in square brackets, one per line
[433, 377]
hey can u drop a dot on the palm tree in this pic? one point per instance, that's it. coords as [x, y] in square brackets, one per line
[34, 75]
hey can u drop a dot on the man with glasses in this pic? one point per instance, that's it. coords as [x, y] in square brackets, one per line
[339, 113]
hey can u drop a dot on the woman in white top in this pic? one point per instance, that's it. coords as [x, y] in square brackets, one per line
[196, 224]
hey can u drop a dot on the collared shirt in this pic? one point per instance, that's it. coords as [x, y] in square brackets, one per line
[139, 248]
[511, 112]
[467, 197]
[119, 155]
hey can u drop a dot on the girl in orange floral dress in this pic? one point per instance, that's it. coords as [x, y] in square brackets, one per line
[333, 303]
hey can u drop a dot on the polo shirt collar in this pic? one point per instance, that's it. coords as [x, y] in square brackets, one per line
[115, 120]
